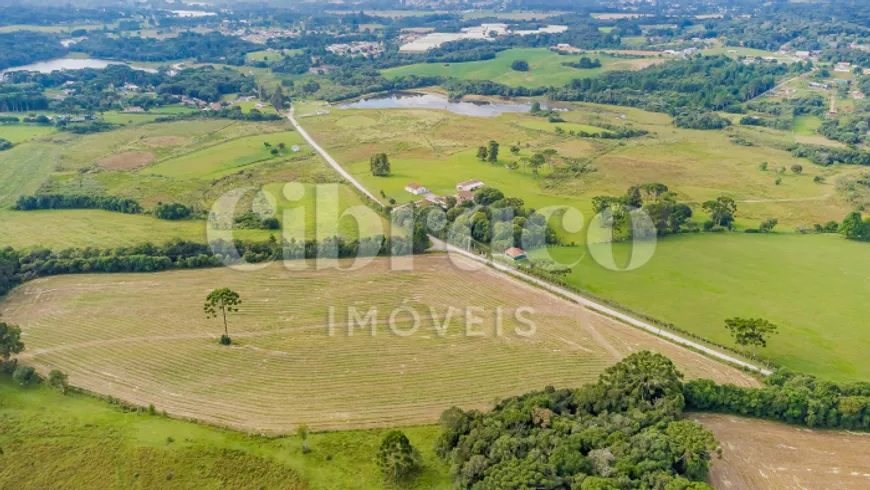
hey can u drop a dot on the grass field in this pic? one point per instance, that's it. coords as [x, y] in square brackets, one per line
[21, 133]
[545, 68]
[808, 285]
[23, 168]
[806, 125]
[73, 441]
[759, 454]
[437, 149]
[219, 160]
[544, 125]
[61, 229]
[143, 338]
[737, 51]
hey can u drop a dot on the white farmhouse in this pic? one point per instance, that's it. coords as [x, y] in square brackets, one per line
[470, 186]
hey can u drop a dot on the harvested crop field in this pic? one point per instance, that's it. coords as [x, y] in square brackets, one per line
[127, 161]
[770, 456]
[143, 338]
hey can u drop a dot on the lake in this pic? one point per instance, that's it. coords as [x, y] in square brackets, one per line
[434, 101]
[192, 13]
[71, 64]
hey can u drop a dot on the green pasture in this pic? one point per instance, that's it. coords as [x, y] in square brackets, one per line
[23, 168]
[737, 51]
[541, 124]
[266, 55]
[805, 125]
[545, 68]
[79, 228]
[811, 286]
[228, 157]
[19, 133]
[441, 177]
[315, 211]
[74, 441]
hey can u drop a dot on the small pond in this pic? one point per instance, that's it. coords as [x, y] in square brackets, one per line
[406, 100]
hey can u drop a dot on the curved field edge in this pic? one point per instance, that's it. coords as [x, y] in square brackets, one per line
[143, 338]
[769, 455]
[82, 442]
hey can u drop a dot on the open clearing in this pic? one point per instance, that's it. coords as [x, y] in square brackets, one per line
[228, 157]
[127, 161]
[545, 68]
[83, 442]
[78, 228]
[437, 149]
[143, 338]
[21, 133]
[808, 285]
[771, 456]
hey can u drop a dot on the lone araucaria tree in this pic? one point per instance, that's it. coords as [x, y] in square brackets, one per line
[225, 300]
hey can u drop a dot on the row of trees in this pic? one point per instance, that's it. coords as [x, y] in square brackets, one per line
[826, 155]
[788, 397]
[700, 120]
[18, 266]
[77, 201]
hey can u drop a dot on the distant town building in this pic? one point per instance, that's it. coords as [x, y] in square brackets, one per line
[843, 67]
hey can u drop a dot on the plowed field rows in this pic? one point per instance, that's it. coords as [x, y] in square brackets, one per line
[144, 338]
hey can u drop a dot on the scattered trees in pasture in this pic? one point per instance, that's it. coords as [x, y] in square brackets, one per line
[397, 459]
[226, 301]
[750, 332]
[380, 165]
[520, 65]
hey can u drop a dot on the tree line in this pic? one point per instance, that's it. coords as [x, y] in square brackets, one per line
[788, 397]
[77, 201]
[19, 266]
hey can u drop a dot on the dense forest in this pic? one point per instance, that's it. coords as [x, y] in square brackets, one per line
[26, 47]
[625, 431]
[211, 47]
[708, 82]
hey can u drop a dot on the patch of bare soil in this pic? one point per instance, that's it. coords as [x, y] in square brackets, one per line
[763, 455]
[130, 160]
[164, 141]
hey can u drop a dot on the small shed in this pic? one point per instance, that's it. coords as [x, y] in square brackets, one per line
[516, 254]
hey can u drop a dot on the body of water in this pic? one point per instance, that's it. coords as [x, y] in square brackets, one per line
[192, 13]
[71, 64]
[434, 101]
